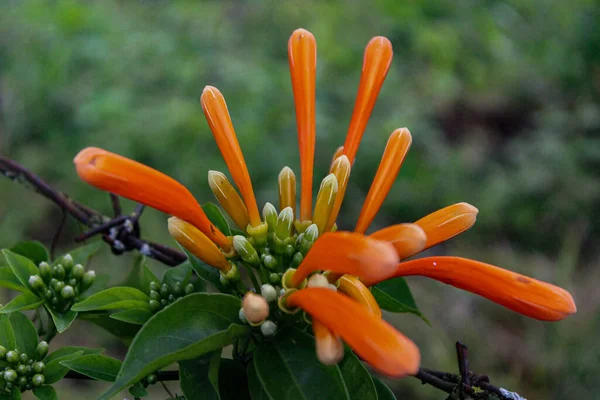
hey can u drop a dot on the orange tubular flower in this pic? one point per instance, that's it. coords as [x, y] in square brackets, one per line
[219, 120]
[330, 349]
[373, 339]
[228, 198]
[408, 239]
[138, 182]
[302, 57]
[376, 63]
[341, 169]
[338, 152]
[391, 161]
[348, 253]
[352, 287]
[527, 296]
[447, 223]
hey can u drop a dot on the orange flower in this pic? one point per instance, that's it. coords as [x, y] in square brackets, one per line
[448, 222]
[138, 182]
[391, 161]
[407, 239]
[330, 349]
[517, 292]
[373, 339]
[348, 253]
[352, 287]
[217, 115]
[302, 57]
[376, 63]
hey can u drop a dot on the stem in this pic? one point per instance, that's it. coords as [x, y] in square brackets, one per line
[252, 276]
[166, 389]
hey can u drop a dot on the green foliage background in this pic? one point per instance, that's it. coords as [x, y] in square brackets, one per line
[501, 98]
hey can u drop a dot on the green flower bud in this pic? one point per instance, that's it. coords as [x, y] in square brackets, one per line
[268, 292]
[154, 295]
[177, 289]
[312, 233]
[270, 262]
[154, 305]
[289, 252]
[41, 350]
[58, 272]
[49, 294]
[67, 292]
[54, 301]
[38, 380]
[285, 222]
[151, 379]
[22, 382]
[164, 302]
[171, 298]
[268, 328]
[67, 262]
[28, 386]
[87, 280]
[73, 282]
[233, 275]
[30, 362]
[154, 286]
[3, 352]
[57, 285]
[39, 367]
[21, 369]
[29, 368]
[296, 260]
[12, 357]
[45, 271]
[8, 387]
[189, 289]
[270, 216]
[274, 278]
[10, 375]
[164, 290]
[245, 249]
[77, 272]
[23, 358]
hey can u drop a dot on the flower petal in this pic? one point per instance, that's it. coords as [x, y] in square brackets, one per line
[341, 169]
[326, 199]
[376, 63]
[228, 198]
[219, 120]
[348, 253]
[302, 57]
[448, 222]
[138, 182]
[393, 157]
[527, 296]
[352, 287]
[330, 349]
[408, 239]
[373, 339]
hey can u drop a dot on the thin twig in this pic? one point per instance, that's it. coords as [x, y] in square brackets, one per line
[161, 376]
[166, 389]
[116, 205]
[59, 230]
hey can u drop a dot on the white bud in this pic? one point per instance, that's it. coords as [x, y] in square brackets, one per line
[268, 292]
[268, 328]
[317, 280]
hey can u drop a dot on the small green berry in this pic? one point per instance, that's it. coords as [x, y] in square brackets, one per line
[21, 369]
[39, 367]
[154, 295]
[77, 272]
[58, 272]
[151, 379]
[154, 305]
[12, 357]
[28, 386]
[29, 370]
[268, 328]
[10, 375]
[67, 292]
[38, 380]
[42, 350]
[189, 288]
[274, 278]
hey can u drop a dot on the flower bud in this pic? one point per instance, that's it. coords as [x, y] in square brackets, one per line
[177, 289]
[154, 305]
[41, 350]
[287, 189]
[270, 216]
[285, 221]
[154, 295]
[296, 260]
[88, 280]
[3, 352]
[268, 328]
[67, 262]
[268, 292]
[37, 283]
[274, 278]
[228, 198]
[256, 308]
[67, 293]
[78, 271]
[57, 285]
[10, 375]
[189, 289]
[72, 282]
[39, 367]
[154, 286]
[21, 369]
[171, 298]
[45, 271]
[48, 294]
[151, 379]
[164, 290]
[325, 201]
[245, 249]
[270, 262]
[21, 382]
[38, 380]
[317, 280]
[12, 357]
[58, 272]
[289, 251]
[23, 358]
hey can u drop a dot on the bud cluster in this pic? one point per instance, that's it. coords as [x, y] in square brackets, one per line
[256, 308]
[22, 371]
[61, 284]
[163, 295]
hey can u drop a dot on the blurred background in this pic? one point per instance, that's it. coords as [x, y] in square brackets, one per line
[502, 99]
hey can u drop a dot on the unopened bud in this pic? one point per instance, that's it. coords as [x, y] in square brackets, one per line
[228, 198]
[154, 305]
[296, 260]
[317, 280]
[268, 292]
[10, 375]
[12, 357]
[312, 233]
[21, 369]
[164, 290]
[268, 328]
[58, 272]
[67, 262]
[256, 308]
[57, 285]
[189, 289]
[151, 379]
[325, 201]
[177, 289]
[78, 271]
[45, 271]
[233, 275]
[3, 352]
[270, 262]
[22, 382]
[245, 249]
[88, 280]
[287, 189]
[154, 295]
[270, 216]
[67, 292]
[37, 283]
[274, 278]
[330, 349]
[285, 222]
[23, 358]
[38, 380]
[39, 367]
[154, 286]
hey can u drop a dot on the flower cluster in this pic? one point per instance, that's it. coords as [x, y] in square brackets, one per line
[21, 370]
[296, 258]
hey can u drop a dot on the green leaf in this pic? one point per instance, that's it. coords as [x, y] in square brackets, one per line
[24, 301]
[95, 366]
[254, 385]
[62, 321]
[21, 266]
[120, 297]
[82, 254]
[15, 394]
[199, 378]
[195, 325]
[214, 214]
[123, 330]
[205, 272]
[7, 335]
[233, 380]
[26, 338]
[33, 250]
[358, 380]
[140, 275]
[383, 391]
[99, 284]
[55, 371]
[70, 350]
[137, 316]
[394, 295]
[288, 368]
[138, 390]
[45, 392]
[181, 273]
[9, 280]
